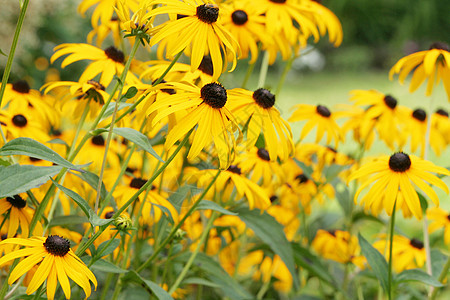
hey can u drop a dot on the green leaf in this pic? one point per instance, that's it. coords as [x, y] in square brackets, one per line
[32, 148]
[361, 216]
[16, 179]
[138, 138]
[107, 267]
[423, 202]
[417, 275]
[93, 218]
[177, 198]
[92, 179]
[271, 232]
[214, 272]
[68, 220]
[206, 204]
[3, 53]
[304, 258]
[438, 260]
[376, 261]
[4, 162]
[131, 92]
[110, 109]
[200, 281]
[159, 292]
[109, 248]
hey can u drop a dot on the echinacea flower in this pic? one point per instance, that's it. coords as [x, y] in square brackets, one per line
[108, 62]
[256, 111]
[432, 65]
[394, 179]
[206, 107]
[197, 29]
[57, 263]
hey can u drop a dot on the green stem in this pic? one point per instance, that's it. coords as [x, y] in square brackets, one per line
[9, 62]
[194, 254]
[178, 226]
[391, 239]
[249, 72]
[263, 71]
[286, 70]
[99, 254]
[79, 127]
[441, 278]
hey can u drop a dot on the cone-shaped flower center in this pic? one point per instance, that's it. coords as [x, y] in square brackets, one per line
[239, 17]
[273, 199]
[57, 245]
[399, 162]
[214, 94]
[235, 169]
[98, 140]
[21, 86]
[16, 201]
[264, 98]
[115, 54]
[442, 112]
[323, 111]
[55, 132]
[263, 154]
[440, 46]
[416, 244]
[419, 114]
[278, 1]
[19, 121]
[390, 101]
[206, 65]
[96, 84]
[302, 178]
[208, 13]
[109, 214]
[137, 183]
[448, 217]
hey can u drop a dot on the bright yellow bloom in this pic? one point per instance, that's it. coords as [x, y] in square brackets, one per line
[19, 214]
[104, 11]
[439, 218]
[432, 65]
[57, 261]
[197, 30]
[394, 179]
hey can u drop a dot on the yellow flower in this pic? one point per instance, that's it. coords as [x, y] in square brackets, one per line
[394, 178]
[23, 123]
[197, 29]
[256, 111]
[439, 218]
[432, 65]
[108, 62]
[206, 108]
[57, 263]
[104, 10]
[102, 31]
[322, 117]
[137, 24]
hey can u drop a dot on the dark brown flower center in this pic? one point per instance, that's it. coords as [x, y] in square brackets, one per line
[98, 140]
[416, 244]
[17, 201]
[167, 91]
[278, 1]
[302, 178]
[208, 13]
[55, 132]
[214, 94]
[234, 169]
[419, 114]
[273, 199]
[109, 214]
[442, 112]
[96, 84]
[332, 232]
[440, 46]
[115, 54]
[57, 245]
[263, 154]
[399, 162]
[206, 65]
[19, 121]
[21, 86]
[323, 111]
[390, 101]
[35, 159]
[239, 17]
[137, 183]
[264, 98]
[130, 170]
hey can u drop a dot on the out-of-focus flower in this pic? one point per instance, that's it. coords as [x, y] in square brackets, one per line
[439, 218]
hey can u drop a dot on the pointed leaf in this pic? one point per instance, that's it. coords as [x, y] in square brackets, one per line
[16, 179]
[110, 109]
[68, 220]
[138, 138]
[32, 148]
[109, 248]
[206, 204]
[159, 292]
[131, 92]
[376, 261]
[305, 259]
[107, 267]
[92, 179]
[271, 232]
[417, 275]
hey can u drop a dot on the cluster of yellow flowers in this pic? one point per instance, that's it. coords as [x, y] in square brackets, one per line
[232, 144]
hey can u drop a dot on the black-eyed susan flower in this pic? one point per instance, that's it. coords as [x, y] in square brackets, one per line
[206, 109]
[407, 253]
[439, 219]
[23, 123]
[104, 10]
[319, 116]
[136, 25]
[247, 24]
[94, 150]
[338, 245]
[198, 30]
[19, 215]
[441, 122]
[57, 263]
[432, 65]
[257, 112]
[108, 62]
[394, 180]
